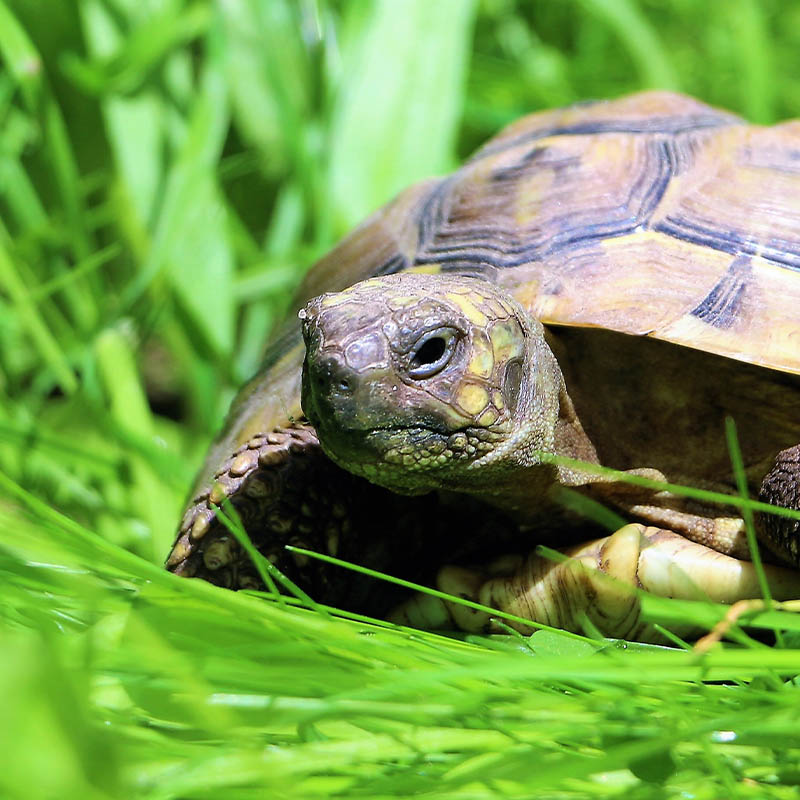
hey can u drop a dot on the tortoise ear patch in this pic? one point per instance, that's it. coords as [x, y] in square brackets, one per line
[512, 383]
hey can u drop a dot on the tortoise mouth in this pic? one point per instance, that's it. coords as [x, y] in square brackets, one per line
[412, 459]
[339, 425]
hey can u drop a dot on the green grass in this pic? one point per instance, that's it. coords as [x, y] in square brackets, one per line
[167, 172]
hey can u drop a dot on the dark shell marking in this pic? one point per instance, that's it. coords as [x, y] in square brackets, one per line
[722, 304]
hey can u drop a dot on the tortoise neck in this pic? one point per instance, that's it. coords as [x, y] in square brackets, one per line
[524, 484]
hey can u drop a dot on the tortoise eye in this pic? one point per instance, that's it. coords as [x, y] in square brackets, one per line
[432, 352]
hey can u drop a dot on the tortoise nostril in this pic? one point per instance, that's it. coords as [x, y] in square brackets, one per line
[334, 377]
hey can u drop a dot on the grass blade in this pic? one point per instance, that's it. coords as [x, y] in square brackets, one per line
[408, 66]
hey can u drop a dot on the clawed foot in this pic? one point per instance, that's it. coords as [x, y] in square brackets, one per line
[271, 482]
[286, 491]
[598, 582]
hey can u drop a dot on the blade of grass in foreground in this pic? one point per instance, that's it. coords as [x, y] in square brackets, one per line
[719, 498]
[747, 511]
[302, 705]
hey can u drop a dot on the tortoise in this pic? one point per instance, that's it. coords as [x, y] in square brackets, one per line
[598, 286]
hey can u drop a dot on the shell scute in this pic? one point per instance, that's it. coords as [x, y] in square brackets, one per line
[652, 215]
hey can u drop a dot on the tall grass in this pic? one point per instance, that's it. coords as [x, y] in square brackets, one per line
[168, 169]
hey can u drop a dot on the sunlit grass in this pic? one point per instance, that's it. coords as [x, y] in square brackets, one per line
[167, 172]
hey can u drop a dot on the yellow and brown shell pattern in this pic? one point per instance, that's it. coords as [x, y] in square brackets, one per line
[653, 214]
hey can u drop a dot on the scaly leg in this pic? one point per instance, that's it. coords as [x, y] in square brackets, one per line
[286, 491]
[781, 487]
[598, 580]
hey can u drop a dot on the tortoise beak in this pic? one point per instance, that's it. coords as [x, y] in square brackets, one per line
[345, 372]
[328, 389]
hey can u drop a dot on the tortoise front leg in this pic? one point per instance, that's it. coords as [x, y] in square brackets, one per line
[781, 487]
[274, 482]
[599, 581]
[287, 491]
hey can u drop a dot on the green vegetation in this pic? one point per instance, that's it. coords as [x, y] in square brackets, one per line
[168, 169]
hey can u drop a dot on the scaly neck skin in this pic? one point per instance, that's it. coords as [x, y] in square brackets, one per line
[528, 490]
[514, 477]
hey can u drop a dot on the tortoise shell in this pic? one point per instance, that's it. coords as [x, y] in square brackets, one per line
[654, 215]
[651, 215]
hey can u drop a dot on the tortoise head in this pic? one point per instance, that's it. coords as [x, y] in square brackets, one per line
[419, 382]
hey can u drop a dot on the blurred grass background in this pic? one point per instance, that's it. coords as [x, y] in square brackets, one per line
[168, 170]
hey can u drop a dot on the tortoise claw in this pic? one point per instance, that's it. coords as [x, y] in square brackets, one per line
[262, 480]
[598, 582]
